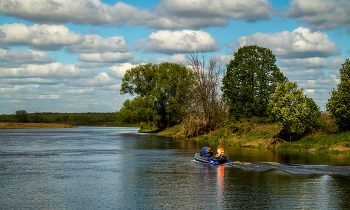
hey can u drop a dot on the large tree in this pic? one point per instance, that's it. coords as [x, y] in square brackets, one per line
[250, 79]
[338, 105]
[163, 88]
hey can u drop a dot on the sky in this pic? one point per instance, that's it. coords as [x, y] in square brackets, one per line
[71, 55]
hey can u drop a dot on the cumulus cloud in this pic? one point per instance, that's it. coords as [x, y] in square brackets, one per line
[250, 10]
[320, 14]
[169, 14]
[171, 42]
[119, 71]
[109, 57]
[89, 12]
[177, 58]
[95, 44]
[42, 37]
[312, 63]
[14, 58]
[300, 43]
[102, 79]
[46, 71]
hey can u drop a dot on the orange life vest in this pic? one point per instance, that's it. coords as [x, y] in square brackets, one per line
[222, 151]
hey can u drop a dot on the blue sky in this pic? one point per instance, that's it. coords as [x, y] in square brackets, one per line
[70, 55]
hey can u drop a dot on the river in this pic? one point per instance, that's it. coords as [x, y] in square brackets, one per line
[117, 168]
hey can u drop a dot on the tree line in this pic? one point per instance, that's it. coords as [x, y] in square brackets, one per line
[50, 117]
[202, 96]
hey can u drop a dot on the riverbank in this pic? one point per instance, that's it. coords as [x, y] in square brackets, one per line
[267, 136]
[16, 125]
[13, 125]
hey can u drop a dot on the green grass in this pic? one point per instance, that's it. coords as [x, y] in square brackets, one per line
[322, 143]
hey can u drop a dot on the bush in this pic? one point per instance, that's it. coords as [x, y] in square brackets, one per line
[297, 113]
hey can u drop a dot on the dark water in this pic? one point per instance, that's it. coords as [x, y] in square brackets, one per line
[116, 168]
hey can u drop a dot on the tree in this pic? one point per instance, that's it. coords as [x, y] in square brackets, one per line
[207, 111]
[296, 112]
[163, 86]
[137, 110]
[250, 79]
[21, 116]
[338, 105]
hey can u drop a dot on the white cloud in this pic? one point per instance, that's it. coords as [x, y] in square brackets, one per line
[177, 58]
[14, 58]
[184, 41]
[43, 37]
[250, 10]
[89, 12]
[312, 63]
[320, 14]
[169, 14]
[95, 44]
[47, 71]
[102, 79]
[300, 43]
[109, 57]
[119, 71]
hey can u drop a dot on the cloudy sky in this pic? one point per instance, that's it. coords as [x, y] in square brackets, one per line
[70, 55]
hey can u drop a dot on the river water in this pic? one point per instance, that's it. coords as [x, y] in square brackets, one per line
[117, 168]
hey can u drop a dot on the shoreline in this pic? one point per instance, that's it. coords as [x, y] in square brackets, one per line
[336, 143]
[15, 125]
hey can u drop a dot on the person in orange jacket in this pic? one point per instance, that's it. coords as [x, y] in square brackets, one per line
[220, 152]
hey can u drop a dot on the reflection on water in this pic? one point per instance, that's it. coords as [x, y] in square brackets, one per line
[93, 167]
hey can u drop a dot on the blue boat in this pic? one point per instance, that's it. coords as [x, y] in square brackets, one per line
[211, 160]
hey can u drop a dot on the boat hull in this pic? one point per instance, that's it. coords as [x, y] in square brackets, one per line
[210, 160]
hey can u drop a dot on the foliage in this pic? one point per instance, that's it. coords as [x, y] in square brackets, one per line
[296, 112]
[339, 103]
[74, 118]
[206, 108]
[250, 79]
[163, 88]
[137, 110]
[21, 116]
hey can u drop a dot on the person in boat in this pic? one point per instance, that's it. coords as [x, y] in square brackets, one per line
[220, 155]
[207, 152]
[220, 152]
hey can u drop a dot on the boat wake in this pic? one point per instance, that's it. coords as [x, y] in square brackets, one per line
[292, 168]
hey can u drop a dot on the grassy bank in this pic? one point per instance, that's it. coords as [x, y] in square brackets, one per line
[13, 125]
[267, 136]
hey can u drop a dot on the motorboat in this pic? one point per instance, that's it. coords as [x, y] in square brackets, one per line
[211, 160]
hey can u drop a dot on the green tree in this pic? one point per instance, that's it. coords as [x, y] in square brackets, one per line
[21, 116]
[296, 112]
[338, 105]
[250, 79]
[137, 110]
[163, 86]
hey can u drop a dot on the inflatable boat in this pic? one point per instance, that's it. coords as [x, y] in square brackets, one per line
[211, 160]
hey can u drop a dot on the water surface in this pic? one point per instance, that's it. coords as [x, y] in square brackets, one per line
[115, 168]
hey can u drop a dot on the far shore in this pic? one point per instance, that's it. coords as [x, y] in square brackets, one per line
[16, 125]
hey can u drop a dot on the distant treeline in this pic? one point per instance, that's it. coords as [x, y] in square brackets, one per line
[54, 117]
